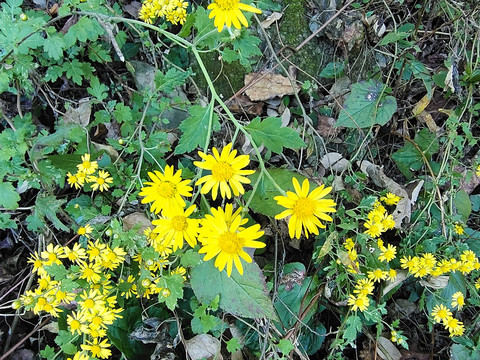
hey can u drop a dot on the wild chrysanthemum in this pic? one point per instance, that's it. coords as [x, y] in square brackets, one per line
[228, 12]
[409, 262]
[305, 210]
[52, 254]
[359, 302]
[85, 230]
[98, 349]
[165, 190]
[101, 182]
[95, 250]
[90, 271]
[77, 323]
[76, 253]
[349, 244]
[174, 226]
[226, 172]
[454, 326]
[440, 313]
[458, 229]
[392, 275]
[364, 287]
[458, 300]
[227, 241]
[390, 199]
[388, 222]
[477, 171]
[87, 166]
[374, 229]
[75, 181]
[377, 275]
[387, 253]
[37, 263]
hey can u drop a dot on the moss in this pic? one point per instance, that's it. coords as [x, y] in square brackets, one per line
[227, 77]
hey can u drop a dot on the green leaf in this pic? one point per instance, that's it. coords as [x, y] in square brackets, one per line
[353, 326]
[270, 133]
[97, 90]
[246, 47]
[170, 80]
[64, 340]
[86, 29]
[205, 36]
[53, 45]
[74, 71]
[196, 128]
[230, 55]
[48, 352]
[233, 345]
[190, 258]
[59, 272]
[53, 73]
[332, 70]
[263, 202]
[9, 198]
[285, 346]
[174, 283]
[48, 206]
[393, 37]
[242, 295]
[122, 113]
[367, 105]
[6, 222]
[463, 204]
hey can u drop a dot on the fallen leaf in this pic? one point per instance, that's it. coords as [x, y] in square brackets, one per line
[437, 282]
[135, 218]
[268, 86]
[80, 114]
[420, 105]
[242, 103]
[203, 346]
[271, 19]
[401, 276]
[133, 8]
[427, 119]
[386, 349]
[334, 161]
[108, 149]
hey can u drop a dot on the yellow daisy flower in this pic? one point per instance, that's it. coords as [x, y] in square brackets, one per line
[75, 181]
[377, 275]
[87, 166]
[440, 313]
[226, 242]
[101, 182]
[390, 199]
[85, 230]
[165, 190]
[458, 300]
[305, 210]
[228, 12]
[90, 271]
[174, 226]
[76, 323]
[387, 253]
[99, 350]
[374, 229]
[364, 287]
[359, 302]
[226, 172]
[454, 326]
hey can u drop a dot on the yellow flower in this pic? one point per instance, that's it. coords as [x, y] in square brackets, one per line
[99, 350]
[391, 275]
[377, 275]
[79, 356]
[226, 172]
[305, 210]
[477, 171]
[75, 180]
[454, 326]
[458, 229]
[85, 230]
[364, 287]
[165, 190]
[87, 166]
[101, 182]
[37, 263]
[387, 253]
[374, 229]
[76, 323]
[458, 300]
[92, 300]
[359, 302]
[52, 255]
[95, 250]
[228, 240]
[440, 313]
[388, 222]
[228, 12]
[90, 271]
[477, 283]
[76, 253]
[390, 199]
[349, 244]
[174, 226]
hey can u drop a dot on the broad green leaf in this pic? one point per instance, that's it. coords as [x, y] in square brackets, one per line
[170, 80]
[9, 198]
[242, 295]
[174, 283]
[463, 204]
[190, 258]
[57, 271]
[64, 339]
[393, 37]
[263, 202]
[48, 206]
[196, 128]
[367, 106]
[53, 45]
[246, 47]
[74, 71]
[285, 346]
[353, 326]
[6, 222]
[205, 37]
[48, 352]
[97, 90]
[122, 113]
[270, 133]
[233, 345]
[333, 69]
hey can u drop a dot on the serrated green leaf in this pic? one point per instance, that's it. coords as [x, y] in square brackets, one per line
[246, 47]
[97, 90]
[48, 206]
[9, 198]
[196, 128]
[53, 46]
[205, 36]
[263, 202]
[367, 106]
[74, 70]
[353, 326]
[122, 113]
[48, 352]
[174, 283]
[57, 271]
[170, 80]
[285, 346]
[190, 258]
[6, 222]
[230, 55]
[333, 69]
[393, 37]
[53, 73]
[233, 345]
[242, 295]
[270, 133]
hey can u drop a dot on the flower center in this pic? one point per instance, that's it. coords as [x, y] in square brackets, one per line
[88, 272]
[95, 350]
[75, 324]
[89, 304]
[222, 171]
[166, 189]
[226, 5]
[97, 320]
[86, 164]
[179, 223]
[100, 181]
[230, 243]
[52, 257]
[442, 314]
[304, 208]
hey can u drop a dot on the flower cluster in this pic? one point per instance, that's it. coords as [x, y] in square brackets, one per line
[84, 280]
[443, 315]
[222, 233]
[174, 11]
[379, 220]
[89, 173]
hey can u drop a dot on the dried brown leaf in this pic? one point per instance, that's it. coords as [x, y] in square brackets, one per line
[268, 86]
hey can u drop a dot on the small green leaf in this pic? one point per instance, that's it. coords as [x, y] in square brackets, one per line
[332, 70]
[57, 271]
[393, 37]
[9, 198]
[233, 345]
[196, 128]
[285, 346]
[353, 326]
[366, 106]
[463, 204]
[53, 45]
[242, 295]
[48, 352]
[170, 80]
[270, 133]
[97, 90]
[74, 71]
[48, 206]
